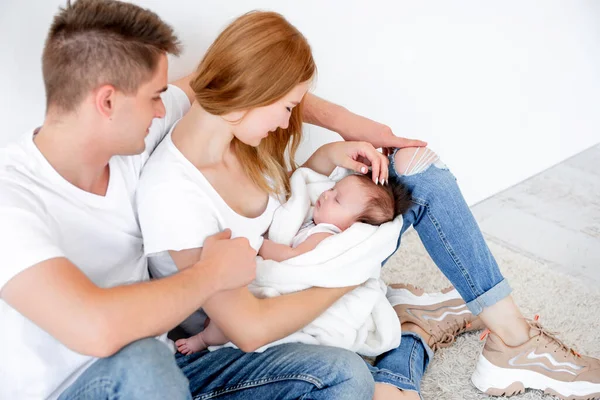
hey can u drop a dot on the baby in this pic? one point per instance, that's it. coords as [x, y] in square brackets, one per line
[355, 198]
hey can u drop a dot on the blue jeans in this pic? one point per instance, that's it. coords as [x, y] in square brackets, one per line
[450, 234]
[144, 369]
[288, 371]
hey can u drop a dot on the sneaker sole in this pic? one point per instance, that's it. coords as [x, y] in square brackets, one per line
[405, 296]
[498, 381]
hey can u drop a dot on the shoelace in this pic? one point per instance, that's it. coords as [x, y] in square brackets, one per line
[447, 338]
[560, 345]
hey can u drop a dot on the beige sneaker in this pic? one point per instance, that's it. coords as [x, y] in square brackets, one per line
[443, 315]
[542, 363]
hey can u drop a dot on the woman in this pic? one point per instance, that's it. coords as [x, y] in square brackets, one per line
[224, 166]
[249, 90]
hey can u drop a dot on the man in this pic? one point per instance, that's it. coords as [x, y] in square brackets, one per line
[77, 311]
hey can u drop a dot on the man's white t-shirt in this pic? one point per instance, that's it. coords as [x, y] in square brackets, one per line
[179, 208]
[42, 217]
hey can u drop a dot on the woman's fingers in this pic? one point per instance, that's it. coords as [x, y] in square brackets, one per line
[375, 169]
[385, 170]
[379, 163]
[359, 156]
[355, 166]
[363, 160]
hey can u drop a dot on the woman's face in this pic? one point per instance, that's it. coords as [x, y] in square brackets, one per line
[257, 123]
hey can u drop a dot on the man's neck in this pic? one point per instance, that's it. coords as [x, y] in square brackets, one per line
[71, 150]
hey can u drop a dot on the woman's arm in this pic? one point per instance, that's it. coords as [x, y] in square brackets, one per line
[350, 126]
[280, 252]
[351, 155]
[249, 322]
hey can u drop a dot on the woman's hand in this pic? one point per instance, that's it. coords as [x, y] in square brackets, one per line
[356, 156]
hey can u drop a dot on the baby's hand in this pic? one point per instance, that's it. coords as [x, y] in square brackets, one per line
[264, 249]
[260, 251]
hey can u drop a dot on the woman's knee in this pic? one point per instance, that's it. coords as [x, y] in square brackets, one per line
[413, 160]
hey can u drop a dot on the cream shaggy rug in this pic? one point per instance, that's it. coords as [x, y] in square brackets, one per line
[565, 305]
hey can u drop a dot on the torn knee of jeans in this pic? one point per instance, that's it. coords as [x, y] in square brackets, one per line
[414, 160]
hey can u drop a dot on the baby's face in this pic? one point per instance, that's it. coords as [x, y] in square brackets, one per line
[340, 205]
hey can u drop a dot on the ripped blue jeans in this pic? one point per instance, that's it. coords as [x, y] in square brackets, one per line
[452, 238]
[448, 229]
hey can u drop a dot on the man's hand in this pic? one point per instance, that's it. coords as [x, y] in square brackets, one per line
[353, 127]
[231, 262]
[381, 136]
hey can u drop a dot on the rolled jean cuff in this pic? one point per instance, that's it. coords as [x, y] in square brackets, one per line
[489, 298]
[428, 350]
[412, 382]
[396, 381]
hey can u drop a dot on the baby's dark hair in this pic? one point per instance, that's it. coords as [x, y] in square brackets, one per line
[385, 202]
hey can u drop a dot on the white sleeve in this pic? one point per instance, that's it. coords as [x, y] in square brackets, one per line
[176, 105]
[175, 216]
[25, 237]
[324, 228]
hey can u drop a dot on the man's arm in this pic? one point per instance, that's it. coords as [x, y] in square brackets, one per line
[350, 126]
[98, 322]
[184, 84]
[320, 112]
[280, 252]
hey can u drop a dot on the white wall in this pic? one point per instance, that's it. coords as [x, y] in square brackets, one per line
[501, 89]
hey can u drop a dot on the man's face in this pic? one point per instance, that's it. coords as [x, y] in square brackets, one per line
[133, 114]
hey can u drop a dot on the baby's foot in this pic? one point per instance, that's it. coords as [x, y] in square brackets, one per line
[191, 345]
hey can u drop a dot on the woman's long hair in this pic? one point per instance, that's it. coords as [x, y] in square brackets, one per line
[254, 62]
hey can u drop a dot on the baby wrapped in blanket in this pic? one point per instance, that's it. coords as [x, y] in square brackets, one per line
[330, 234]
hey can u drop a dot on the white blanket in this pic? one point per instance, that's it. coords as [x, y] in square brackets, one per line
[363, 320]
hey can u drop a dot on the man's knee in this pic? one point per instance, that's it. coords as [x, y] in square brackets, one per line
[413, 160]
[359, 383]
[349, 373]
[150, 350]
[148, 365]
[144, 369]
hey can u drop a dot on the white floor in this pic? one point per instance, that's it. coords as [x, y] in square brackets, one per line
[553, 216]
